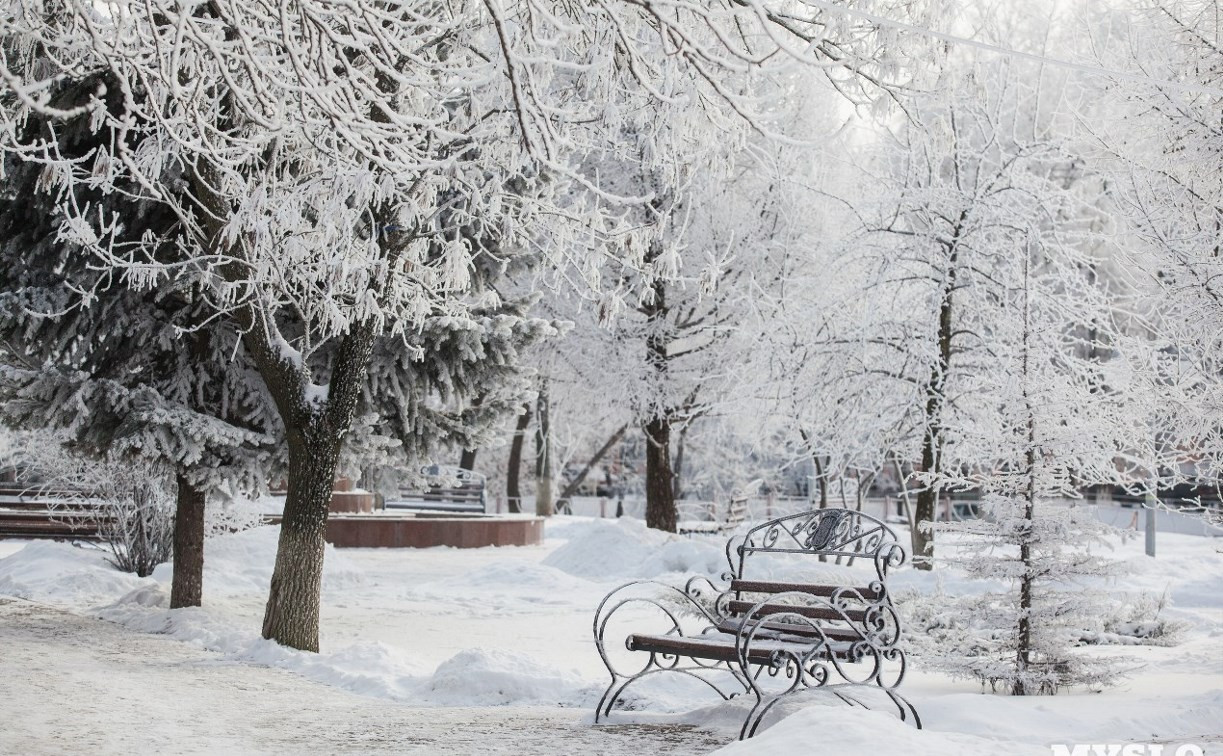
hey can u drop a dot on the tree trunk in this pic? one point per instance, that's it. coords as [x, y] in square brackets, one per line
[819, 475]
[932, 437]
[187, 588]
[513, 491]
[818, 463]
[931, 463]
[292, 614]
[677, 469]
[659, 491]
[467, 460]
[659, 477]
[927, 501]
[543, 458]
[1023, 645]
[314, 433]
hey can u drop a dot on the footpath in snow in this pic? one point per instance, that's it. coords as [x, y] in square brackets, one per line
[490, 651]
[74, 684]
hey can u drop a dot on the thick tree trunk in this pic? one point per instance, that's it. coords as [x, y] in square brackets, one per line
[467, 460]
[292, 614]
[927, 501]
[513, 490]
[659, 476]
[315, 433]
[187, 588]
[659, 491]
[932, 438]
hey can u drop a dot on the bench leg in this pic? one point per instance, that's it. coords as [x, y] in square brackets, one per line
[620, 683]
[908, 713]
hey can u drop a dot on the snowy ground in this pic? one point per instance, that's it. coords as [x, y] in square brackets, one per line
[490, 650]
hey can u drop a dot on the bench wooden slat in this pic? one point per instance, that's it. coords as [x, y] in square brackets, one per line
[445, 494]
[771, 586]
[722, 647]
[811, 612]
[442, 505]
[782, 629]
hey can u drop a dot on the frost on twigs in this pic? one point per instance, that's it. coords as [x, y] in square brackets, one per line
[325, 152]
[130, 503]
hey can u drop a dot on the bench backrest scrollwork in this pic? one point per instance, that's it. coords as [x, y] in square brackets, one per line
[842, 534]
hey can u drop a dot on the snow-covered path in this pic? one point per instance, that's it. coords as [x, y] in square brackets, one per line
[73, 684]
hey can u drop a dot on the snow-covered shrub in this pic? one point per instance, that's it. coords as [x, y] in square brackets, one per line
[1136, 622]
[129, 500]
[137, 523]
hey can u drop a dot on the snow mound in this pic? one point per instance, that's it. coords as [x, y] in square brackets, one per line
[480, 677]
[626, 548]
[238, 564]
[366, 668]
[59, 573]
[507, 585]
[850, 730]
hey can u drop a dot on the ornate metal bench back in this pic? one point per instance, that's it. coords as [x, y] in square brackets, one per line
[843, 534]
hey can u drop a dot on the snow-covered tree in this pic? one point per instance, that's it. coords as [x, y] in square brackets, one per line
[1163, 150]
[1053, 422]
[960, 192]
[676, 355]
[1035, 396]
[115, 378]
[333, 170]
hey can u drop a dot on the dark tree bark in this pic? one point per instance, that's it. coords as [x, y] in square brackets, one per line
[543, 457]
[291, 617]
[1023, 651]
[821, 476]
[187, 588]
[314, 431]
[932, 436]
[513, 491]
[467, 460]
[659, 489]
[315, 435]
[659, 477]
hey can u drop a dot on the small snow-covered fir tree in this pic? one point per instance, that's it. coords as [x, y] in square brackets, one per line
[1049, 424]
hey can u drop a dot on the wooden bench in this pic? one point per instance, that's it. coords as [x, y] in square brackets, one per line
[448, 489]
[42, 512]
[772, 638]
[735, 515]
